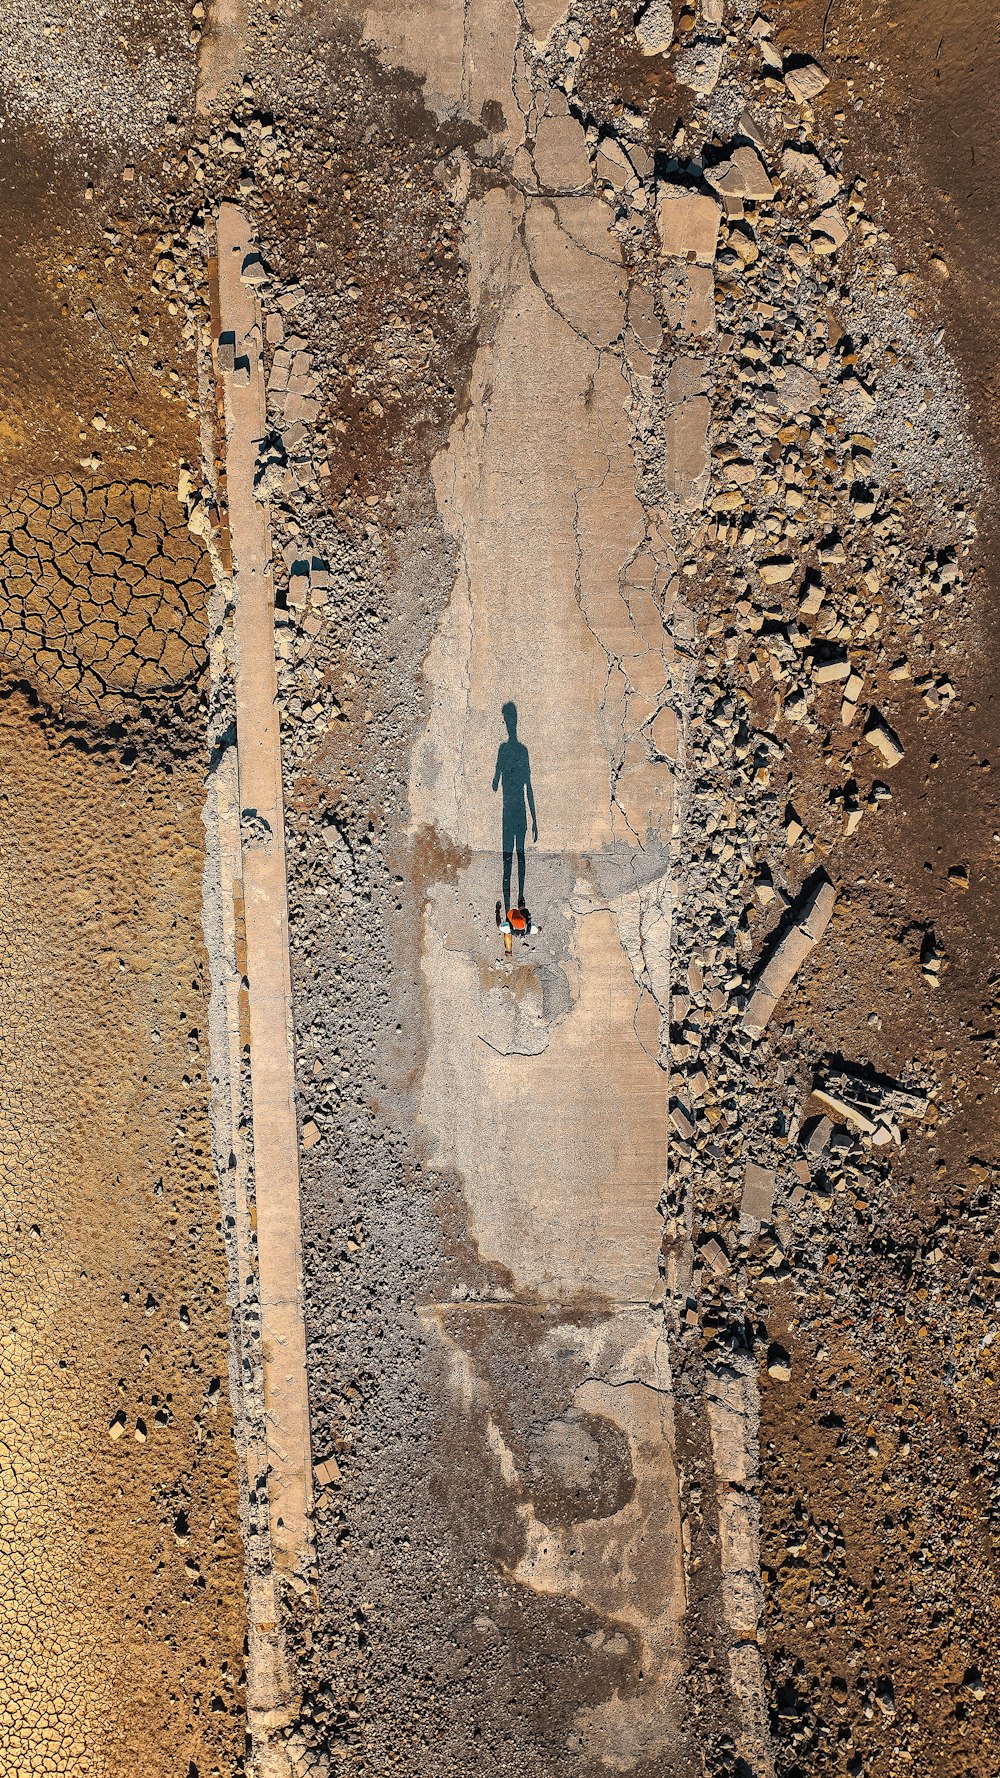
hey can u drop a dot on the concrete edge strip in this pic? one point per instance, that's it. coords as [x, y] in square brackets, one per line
[254, 895]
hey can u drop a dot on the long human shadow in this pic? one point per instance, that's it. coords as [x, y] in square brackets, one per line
[513, 777]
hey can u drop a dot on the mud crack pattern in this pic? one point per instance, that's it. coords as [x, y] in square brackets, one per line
[103, 595]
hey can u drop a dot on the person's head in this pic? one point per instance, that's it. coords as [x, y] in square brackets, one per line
[509, 714]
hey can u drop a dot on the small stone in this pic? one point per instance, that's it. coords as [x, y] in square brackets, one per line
[939, 264]
[310, 1134]
[779, 1364]
[883, 739]
[804, 79]
[327, 1471]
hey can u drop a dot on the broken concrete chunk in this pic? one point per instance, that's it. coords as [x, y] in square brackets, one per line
[700, 64]
[253, 270]
[714, 1254]
[680, 1117]
[561, 158]
[226, 352]
[687, 459]
[643, 319]
[663, 732]
[776, 570]
[810, 919]
[612, 163]
[298, 583]
[326, 1472]
[743, 175]
[748, 126]
[654, 27]
[812, 595]
[804, 79]
[828, 231]
[871, 1104]
[883, 739]
[758, 1192]
[688, 222]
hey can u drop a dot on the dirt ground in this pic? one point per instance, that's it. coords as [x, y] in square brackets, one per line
[879, 1503]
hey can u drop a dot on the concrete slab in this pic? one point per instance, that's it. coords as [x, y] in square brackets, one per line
[259, 895]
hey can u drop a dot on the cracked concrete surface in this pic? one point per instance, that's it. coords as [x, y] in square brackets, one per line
[558, 1131]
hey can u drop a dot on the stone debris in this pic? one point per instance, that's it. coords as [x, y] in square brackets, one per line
[883, 739]
[866, 1102]
[758, 1192]
[810, 919]
[654, 27]
[804, 78]
[742, 175]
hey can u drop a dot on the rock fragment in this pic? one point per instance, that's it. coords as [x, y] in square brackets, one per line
[758, 1192]
[810, 920]
[742, 175]
[804, 78]
[688, 221]
[883, 739]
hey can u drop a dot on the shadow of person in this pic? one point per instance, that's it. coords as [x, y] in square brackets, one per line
[513, 776]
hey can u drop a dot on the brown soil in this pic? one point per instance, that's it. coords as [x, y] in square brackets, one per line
[880, 1511]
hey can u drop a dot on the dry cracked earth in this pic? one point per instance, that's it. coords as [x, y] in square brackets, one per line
[580, 490]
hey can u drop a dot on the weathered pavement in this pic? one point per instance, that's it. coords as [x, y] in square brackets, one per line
[543, 1091]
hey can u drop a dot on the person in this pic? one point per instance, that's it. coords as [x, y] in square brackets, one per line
[513, 774]
[516, 923]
